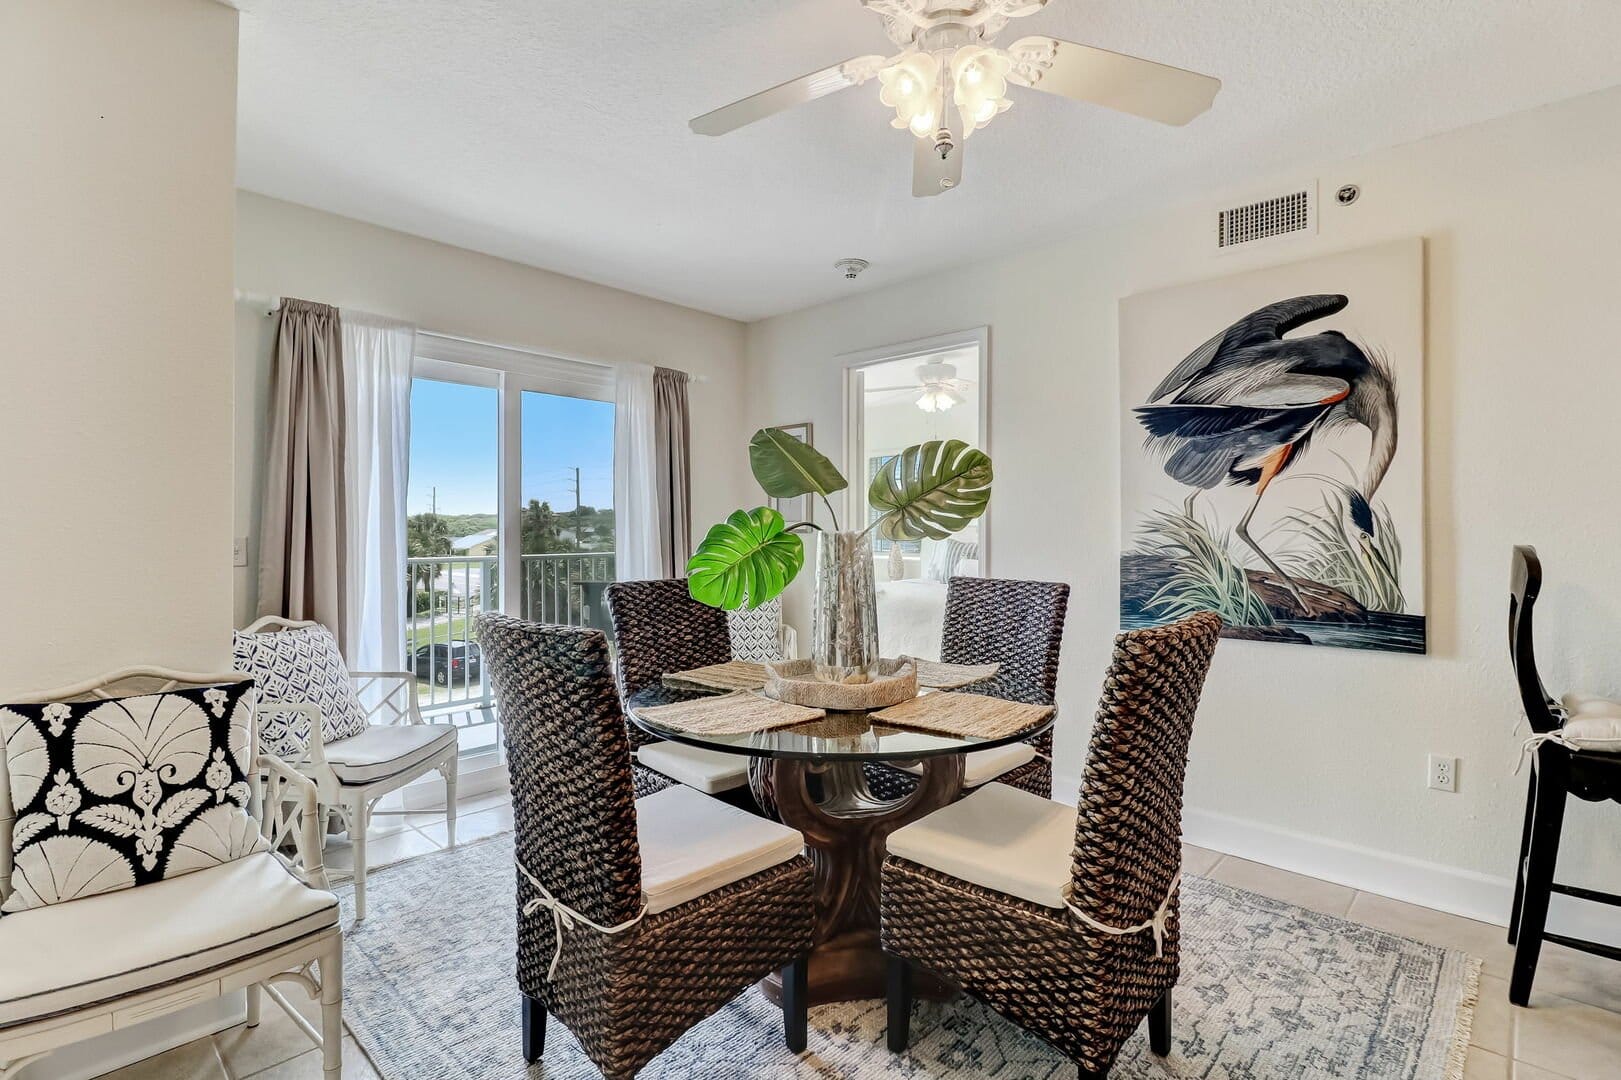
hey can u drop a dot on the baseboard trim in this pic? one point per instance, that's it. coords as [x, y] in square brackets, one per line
[1483, 897]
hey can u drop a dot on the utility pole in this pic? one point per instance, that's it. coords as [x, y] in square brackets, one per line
[577, 504]
[433, 501]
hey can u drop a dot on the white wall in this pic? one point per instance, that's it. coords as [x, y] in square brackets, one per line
[289, 250]
[118, 123]
[1314, 756]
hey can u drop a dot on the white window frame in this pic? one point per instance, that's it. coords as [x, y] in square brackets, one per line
[511, 371]
[855, 456]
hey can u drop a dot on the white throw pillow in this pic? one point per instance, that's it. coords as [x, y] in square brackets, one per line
[757, 633]
[111, 794]
[299, 665]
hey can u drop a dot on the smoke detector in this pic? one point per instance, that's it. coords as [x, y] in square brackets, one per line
[851, 267]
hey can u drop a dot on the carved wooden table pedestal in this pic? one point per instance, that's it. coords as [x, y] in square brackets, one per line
[846, 827]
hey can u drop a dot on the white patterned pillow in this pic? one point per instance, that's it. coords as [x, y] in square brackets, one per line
[947, 555]
[757, 634]
[299, 665]
[123, 792]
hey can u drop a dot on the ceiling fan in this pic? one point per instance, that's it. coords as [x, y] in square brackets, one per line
[937, 388]
[946, 57]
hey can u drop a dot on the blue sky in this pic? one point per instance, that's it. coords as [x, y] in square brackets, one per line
[454, 448]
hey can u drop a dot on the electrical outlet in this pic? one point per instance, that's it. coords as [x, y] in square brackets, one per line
[239, 551]
[1443, 774]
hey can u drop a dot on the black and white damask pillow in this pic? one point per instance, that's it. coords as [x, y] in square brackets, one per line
[299, 665]
[123, 792]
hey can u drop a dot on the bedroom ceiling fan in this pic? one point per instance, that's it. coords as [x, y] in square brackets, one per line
[948, 80]
[937, 388]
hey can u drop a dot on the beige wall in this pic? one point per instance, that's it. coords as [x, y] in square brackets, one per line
[1316, 757]
[118, 123]
[289, 250]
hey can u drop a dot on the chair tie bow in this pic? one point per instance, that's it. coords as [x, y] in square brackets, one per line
[566, 918]
[1155, 923]
[1529, 747]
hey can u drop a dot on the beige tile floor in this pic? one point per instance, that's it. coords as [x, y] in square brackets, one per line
[1571, 1032]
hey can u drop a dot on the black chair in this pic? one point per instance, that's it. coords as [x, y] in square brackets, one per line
[1020, 625]
[1559, 772]
[659, 628]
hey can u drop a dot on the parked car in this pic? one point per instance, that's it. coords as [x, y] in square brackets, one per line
[447, 662]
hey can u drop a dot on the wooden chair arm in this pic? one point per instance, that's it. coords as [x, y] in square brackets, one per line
[315, 749]
[404, 709]
[292, 802]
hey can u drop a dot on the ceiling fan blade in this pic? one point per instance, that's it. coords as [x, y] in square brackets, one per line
[852, 72]
[1130, 84]
[931, 175]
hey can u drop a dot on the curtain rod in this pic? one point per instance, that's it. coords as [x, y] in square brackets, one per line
[274, 302]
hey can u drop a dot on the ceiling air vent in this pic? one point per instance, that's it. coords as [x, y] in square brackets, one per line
[1280, 215]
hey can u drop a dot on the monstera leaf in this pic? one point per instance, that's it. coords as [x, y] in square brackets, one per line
[933, 489]
[786, 467]
[749, 557]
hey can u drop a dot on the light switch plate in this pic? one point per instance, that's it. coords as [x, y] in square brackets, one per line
[239, 551]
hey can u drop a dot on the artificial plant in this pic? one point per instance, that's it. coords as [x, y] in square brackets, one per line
[929, 490]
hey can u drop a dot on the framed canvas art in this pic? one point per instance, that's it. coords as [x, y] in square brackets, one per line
[1272, 457]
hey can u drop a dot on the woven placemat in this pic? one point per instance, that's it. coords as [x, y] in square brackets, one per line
[741, 712]
[938, 676]
[976, 715]
[732, 675]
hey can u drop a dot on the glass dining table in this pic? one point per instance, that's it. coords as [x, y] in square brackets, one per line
[813, 778]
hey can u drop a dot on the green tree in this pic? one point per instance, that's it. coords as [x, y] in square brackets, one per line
[427, 536]
[540, 530]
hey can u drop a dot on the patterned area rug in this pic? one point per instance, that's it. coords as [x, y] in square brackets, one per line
[1268, 991]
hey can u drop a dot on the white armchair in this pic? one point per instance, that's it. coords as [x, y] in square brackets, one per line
[99, 963]
[395, 747]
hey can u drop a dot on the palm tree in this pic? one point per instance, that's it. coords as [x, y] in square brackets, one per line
[427, 536]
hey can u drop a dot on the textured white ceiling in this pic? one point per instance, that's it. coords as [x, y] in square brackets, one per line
[555, 133]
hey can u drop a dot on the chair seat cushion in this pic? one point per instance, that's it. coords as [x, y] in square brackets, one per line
[385, 750]
[999, 837]
[707, 770]
[1590, 705]
[693, 844]
[106, 946]
[982, 766]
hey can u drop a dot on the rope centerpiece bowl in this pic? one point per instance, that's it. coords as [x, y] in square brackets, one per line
[796, 682]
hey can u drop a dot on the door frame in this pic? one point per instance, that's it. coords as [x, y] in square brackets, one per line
[855, 364]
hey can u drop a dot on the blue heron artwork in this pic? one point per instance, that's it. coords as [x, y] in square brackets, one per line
[1272, 452]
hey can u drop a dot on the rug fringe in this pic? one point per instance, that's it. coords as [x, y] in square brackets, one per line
[1458, 1053]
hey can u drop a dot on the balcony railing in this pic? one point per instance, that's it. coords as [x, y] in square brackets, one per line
[444, 594]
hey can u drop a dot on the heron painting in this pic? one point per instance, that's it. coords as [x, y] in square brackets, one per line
[1272, 452]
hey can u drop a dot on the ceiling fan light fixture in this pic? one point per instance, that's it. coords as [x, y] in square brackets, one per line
[911, 88]
[936, 399]
[979, 78]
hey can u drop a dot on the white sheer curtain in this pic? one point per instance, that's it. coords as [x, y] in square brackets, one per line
[638, 529]
[377, 358]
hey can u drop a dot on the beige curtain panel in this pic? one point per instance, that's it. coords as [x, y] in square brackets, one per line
[672, 434]
[302, 538]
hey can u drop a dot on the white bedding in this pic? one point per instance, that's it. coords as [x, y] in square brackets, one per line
[910, 614]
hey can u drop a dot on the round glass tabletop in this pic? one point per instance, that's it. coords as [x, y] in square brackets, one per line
[848, 736]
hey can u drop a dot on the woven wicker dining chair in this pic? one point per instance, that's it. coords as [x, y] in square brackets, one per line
[637, 919]
[1019, 625]
[1064, 922]
[659, 628]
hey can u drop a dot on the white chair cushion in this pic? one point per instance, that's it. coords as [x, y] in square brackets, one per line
[385, 750]
[1000, 837]
[982, 766]
[707, 770]
[1593, 731]
[1590, 704]
[102, 947]
[693, 844]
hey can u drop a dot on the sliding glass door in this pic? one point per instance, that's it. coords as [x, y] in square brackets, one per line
[509, 508]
